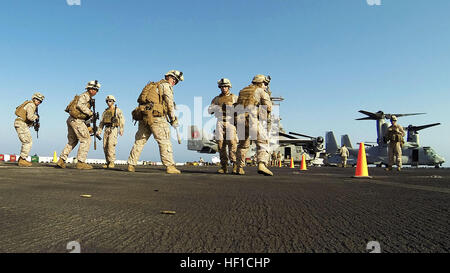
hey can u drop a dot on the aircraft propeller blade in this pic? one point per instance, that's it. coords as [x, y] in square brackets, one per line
[418, 128]
[296, 134]
[287, 136]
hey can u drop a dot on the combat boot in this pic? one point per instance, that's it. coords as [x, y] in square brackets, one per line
[222, 169]
[61, 164]
[105, 166]
[241, 171]
[262, 169]
[24, 163]
[235, 168]
[389, 168]
[83, 166]
[131, 168]
[172, 170]
[111, 165]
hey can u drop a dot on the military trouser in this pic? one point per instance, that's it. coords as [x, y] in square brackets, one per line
[262, 143]
[395, 153]
[77, 131]
[109, 143]
[226, 136]
[344, 161]
[161, 132]
[23, 131]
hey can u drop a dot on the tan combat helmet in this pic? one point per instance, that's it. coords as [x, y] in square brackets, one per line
[267, 80]
[393, 118]
[259, 79]
[178, 75]
[224, 82]
[110, 97]
[93, 85]
[38, 96]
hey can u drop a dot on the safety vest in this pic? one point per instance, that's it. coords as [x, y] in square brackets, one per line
[74, 111]
[22, 113]
[247, 96]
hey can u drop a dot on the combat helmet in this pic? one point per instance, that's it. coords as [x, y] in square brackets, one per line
[93, 85]
[178, 75]
[267, 80]
[259, 79]
[224, 82]
[393, 118]
[110, 97]
[38, 96]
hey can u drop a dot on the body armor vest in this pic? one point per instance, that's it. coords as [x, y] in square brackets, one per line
[153, 99]
[74, 111]
[22, 113]
[109, 119]
[246, 96]
[394, 134]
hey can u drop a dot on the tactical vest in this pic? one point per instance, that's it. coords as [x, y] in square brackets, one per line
[394, 136]
[74, 111]
[109, 119]
[247, 96]
[22, 113]
[153, 97]
[224, 101]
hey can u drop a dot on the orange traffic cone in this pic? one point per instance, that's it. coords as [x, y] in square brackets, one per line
[361, 166]
[303, 165]
[292, 163]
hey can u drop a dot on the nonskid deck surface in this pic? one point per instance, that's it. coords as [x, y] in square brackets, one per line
[320, 210]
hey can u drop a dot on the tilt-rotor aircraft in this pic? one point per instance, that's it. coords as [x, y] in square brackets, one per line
[412, 153]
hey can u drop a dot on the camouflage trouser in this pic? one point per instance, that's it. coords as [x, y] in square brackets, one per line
[226, 136]
[23, 131]
[262, 144]
[395, 153]
[77, 131]
[161, 132]
[109, 143]
[344, 161]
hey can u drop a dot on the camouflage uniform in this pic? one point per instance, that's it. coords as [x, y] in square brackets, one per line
[254, 127]
[160, 130]
[395, 136]
[23, 130]
[111, 132]
[77, 131]
[278, 158]
[225, 133]
[344, 155]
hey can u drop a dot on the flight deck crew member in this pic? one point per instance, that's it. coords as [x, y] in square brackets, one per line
[253, 108]
[394, 136]
[77, 129]
[113, 122]
[26, 116]
[225, 133]
[158, 107]
[344, 155]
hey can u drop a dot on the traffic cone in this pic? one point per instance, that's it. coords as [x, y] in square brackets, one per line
[303, 165]
[55, 158]
[292, 163]
[361, 166]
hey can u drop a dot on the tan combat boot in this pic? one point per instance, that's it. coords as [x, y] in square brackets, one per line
[131, 168]
[222, 169]
[172, 170]
[105, 166]
[241, 171]
[262, 169]
[83, 166]
[24, 163]
[235, 168]
[61, 164]
[111, 165]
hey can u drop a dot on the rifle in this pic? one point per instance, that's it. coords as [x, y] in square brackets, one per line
[95, 117]
[114, 118]
[37, 123]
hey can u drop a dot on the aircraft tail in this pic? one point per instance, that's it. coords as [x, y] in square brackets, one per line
[345, 140]
[195, 138]
[331, 146]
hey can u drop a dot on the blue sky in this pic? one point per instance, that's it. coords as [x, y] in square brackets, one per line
[327, 58]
